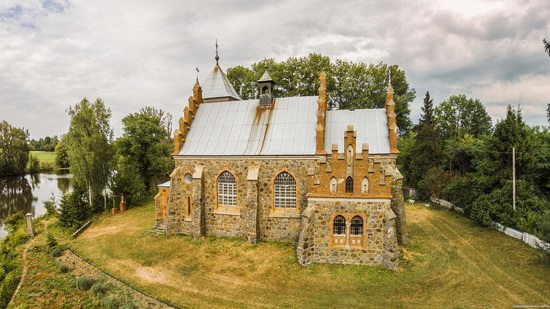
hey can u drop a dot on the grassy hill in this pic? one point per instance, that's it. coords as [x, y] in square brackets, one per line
[449, 262]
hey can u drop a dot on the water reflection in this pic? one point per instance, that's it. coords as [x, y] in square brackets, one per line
[28, 193]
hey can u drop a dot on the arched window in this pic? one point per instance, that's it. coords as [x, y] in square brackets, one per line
[365, 185]
[227, 189]
[349, 185]
[339, 225]
[285, 191]
[333, 185]
[356, 226]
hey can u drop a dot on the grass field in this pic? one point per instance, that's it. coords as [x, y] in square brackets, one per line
[44, 156]
[449, 262]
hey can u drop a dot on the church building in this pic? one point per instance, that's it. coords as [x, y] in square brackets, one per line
[286, 169]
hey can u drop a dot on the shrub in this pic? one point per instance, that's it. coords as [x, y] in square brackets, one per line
[34, 164]
[84, 283]
[55, 252]
[63, 268]
[543, 226]
[128, 306]
[109, 302]
[51, 210]
[99, 289]
[51, 242]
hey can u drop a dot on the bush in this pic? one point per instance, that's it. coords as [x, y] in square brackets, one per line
[63, 268]
[543, 226]
[99, 290]
[51, 210]
[34, 164]
[55, 252]
[84, 283]
[51, 242]
[109, 302]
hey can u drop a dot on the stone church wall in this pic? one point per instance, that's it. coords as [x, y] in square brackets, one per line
[316, 243]
[272, 224]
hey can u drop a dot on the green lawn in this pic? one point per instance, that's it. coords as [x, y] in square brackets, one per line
[449, 262]
[44, 156]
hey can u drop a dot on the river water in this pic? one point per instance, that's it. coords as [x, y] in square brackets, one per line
[28, 193]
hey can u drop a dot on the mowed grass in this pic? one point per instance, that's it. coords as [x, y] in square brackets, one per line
[449, 262]
[47, 157]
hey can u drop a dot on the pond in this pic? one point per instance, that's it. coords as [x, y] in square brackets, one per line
[28, 193]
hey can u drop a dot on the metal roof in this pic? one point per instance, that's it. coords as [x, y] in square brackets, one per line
[237, 128]
[242, 128]
[217, 86]
[165, 184]
[265, 77]
[371, 126]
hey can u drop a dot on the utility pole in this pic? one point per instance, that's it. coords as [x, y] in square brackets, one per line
[514, 178]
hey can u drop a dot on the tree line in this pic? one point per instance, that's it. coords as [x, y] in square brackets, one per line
[131, 165]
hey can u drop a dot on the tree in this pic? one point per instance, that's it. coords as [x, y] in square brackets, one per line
[14, 150]
[349, 84]
[426, 150]
[546, 46]
[88, 145]
[459, 115]
[146, 145]
[61, 155]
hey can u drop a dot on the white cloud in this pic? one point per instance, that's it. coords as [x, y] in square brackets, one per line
[138, 53]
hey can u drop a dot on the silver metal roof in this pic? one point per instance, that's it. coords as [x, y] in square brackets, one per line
[265, 77]
[242, 128]
[165, 184]
[217, 86]
[371, 126]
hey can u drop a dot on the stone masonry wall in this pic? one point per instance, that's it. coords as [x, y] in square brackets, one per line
[272, 224]
[316, 241]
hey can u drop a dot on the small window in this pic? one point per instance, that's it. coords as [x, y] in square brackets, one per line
[356, 226]
[339, 225]
[333, 185]
[188, 178]
[227, 189]
[365, 185]
[349, 185]
[285, 191]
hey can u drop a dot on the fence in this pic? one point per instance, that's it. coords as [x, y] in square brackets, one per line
[527, 238]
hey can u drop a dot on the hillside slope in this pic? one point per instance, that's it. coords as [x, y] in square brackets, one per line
[449, 262]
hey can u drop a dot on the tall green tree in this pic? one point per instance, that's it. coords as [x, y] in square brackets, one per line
[425, 152]
[89, 148]
[14, 150]
[145, 145]
[458, 116]
[61, 155]
[349, 84]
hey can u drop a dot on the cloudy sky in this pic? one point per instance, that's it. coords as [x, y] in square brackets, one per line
[144, 53]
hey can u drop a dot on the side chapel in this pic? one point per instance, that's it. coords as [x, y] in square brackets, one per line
[286, 169]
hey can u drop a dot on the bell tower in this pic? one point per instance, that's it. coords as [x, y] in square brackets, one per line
[266, 84]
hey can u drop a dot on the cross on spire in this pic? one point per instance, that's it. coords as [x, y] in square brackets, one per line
[217, 57]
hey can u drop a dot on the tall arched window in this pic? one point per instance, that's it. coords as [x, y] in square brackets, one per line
[285, 191]
[339, 225]
[349, 185]
[356, 226]
[365, 185]
[227, 189]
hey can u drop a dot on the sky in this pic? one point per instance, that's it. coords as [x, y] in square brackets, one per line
[133, 54]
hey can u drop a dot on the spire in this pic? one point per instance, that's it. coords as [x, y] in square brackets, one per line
[216, 87]
[217, 57]
[392, 117]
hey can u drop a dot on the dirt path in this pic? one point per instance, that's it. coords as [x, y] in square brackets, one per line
[25, 267]
[80, 267]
